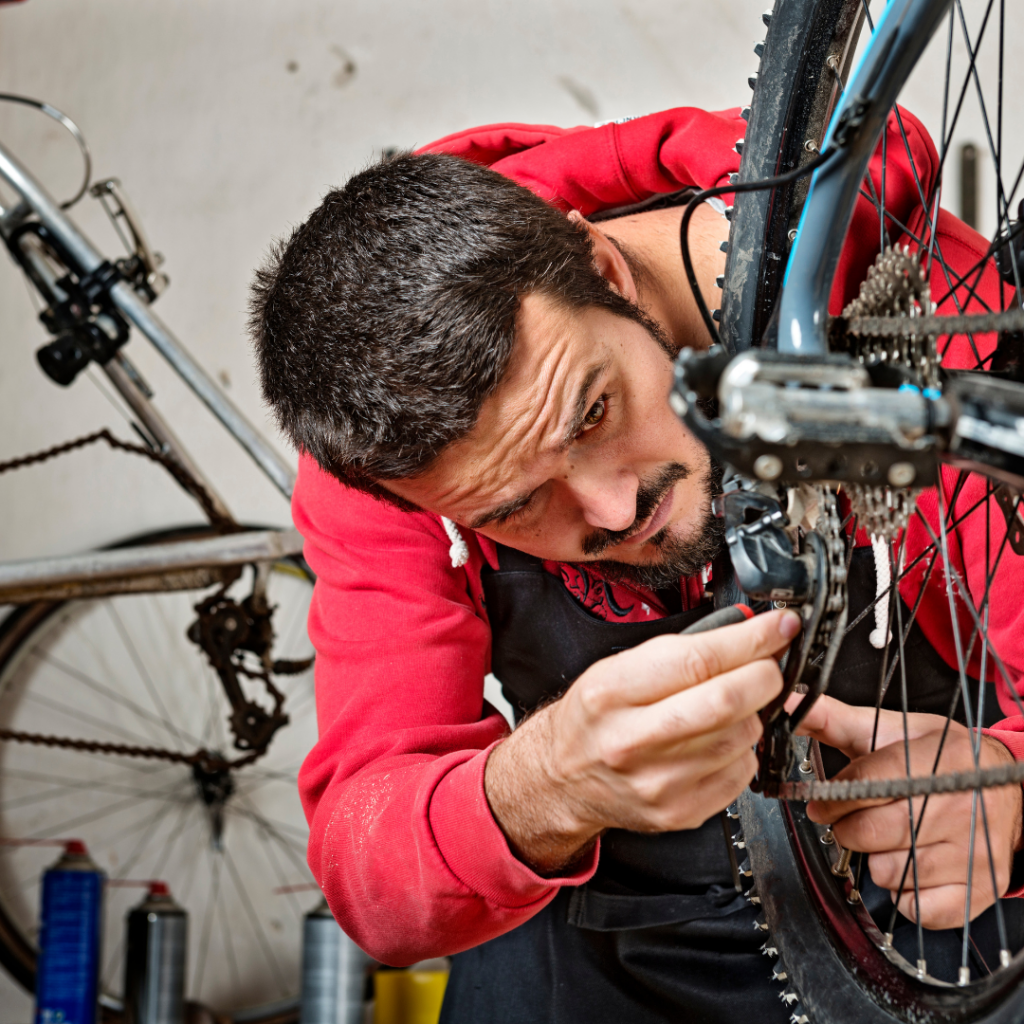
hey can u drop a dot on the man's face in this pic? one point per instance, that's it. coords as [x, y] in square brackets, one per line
[577, 455]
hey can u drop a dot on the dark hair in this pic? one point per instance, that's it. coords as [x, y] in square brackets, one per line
[385, 320]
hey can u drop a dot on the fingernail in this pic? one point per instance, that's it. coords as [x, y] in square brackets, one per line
[789, 625]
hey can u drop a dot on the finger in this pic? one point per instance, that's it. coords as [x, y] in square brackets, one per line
[716, 704]
[886, 826]
[853, 729]
[688, 803]
[668, 664]
[890, 762]
[938, 864]
[721, 788]
[838, 725]
[629, 751]
[943, 906]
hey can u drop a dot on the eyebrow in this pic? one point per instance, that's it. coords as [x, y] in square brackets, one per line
[579, 412]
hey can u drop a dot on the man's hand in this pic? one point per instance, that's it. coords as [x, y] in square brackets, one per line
[654, 739]
[882, 828]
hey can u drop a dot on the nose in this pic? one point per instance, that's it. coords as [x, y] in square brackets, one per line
[608, 501]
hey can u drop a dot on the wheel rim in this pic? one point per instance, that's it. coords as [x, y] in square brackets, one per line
[970, 505]
[122, 670]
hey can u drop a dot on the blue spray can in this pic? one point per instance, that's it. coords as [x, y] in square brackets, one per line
[67, 971]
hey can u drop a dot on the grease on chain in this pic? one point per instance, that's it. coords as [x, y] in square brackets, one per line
[897, 789]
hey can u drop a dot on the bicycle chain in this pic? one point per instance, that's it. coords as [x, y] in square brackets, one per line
[203, 758]
[896, 789]
[175, 468]
[1010, 321]
[208, 761]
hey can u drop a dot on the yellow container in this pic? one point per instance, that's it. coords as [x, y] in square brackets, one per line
[408, 997]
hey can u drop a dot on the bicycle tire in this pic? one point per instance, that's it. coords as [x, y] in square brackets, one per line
[833, 971]
[25, 625]
[792, 100]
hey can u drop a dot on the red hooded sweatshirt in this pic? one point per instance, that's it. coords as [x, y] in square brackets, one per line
[402, 840]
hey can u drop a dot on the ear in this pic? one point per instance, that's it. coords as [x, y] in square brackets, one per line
[608, 260]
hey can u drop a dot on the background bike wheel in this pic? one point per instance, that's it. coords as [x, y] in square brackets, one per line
[120, 669]
[830, 951]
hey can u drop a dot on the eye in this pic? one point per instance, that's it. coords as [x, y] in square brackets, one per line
[595, 414]
[519, 513]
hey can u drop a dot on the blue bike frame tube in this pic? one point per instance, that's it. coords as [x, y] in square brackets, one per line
[898, 41]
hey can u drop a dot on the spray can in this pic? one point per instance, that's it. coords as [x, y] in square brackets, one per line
[67, 971]
[156, 933]
[334, 972]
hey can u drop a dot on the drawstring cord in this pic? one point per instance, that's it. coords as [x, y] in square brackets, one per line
[880, 635]
[458, 552]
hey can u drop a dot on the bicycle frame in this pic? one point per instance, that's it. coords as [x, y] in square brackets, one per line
[899, 39]
[158, 568]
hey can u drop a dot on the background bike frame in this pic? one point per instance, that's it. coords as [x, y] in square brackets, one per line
[73, 576]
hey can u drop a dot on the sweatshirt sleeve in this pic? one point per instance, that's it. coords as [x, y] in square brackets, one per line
[402, 840]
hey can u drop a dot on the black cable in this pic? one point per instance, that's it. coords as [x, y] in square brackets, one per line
[746, 186]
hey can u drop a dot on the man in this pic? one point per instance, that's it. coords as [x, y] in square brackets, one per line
[476, 374]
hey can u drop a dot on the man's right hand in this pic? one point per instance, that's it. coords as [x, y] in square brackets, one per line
[655, 739]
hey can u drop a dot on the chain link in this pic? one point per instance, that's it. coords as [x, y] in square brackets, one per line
[175, 468]
[896, 789]
[208, 761]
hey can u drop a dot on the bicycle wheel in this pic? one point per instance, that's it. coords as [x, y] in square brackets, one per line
[844, 952]
[121, 669]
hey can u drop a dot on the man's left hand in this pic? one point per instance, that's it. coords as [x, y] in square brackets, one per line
[881, 828]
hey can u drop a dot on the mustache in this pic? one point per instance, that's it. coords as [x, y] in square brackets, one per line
[649, 496]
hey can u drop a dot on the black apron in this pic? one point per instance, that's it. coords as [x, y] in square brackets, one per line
[659, 934]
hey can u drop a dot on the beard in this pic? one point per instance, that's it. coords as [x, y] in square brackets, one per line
[677, 556]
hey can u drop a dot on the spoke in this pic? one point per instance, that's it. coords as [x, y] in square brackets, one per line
[885, 677]
[295, 851]
[953, 578]
[149, 829]
[254, 922]
[907, 569]
[56, 792]
[910, 802]
[275, 865]
[229, 939]
[889, 216]
[973, 72]
[962, 671]
[881, 190]
[176, 834]
[204, 941]
[199, 821]
[964, 970]
[147, 680]
[105, 691]
[83, 819]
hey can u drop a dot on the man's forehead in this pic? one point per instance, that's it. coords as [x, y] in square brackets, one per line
[557, 360]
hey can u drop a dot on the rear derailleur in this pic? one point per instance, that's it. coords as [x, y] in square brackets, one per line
[237, 637]
[799, 564]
